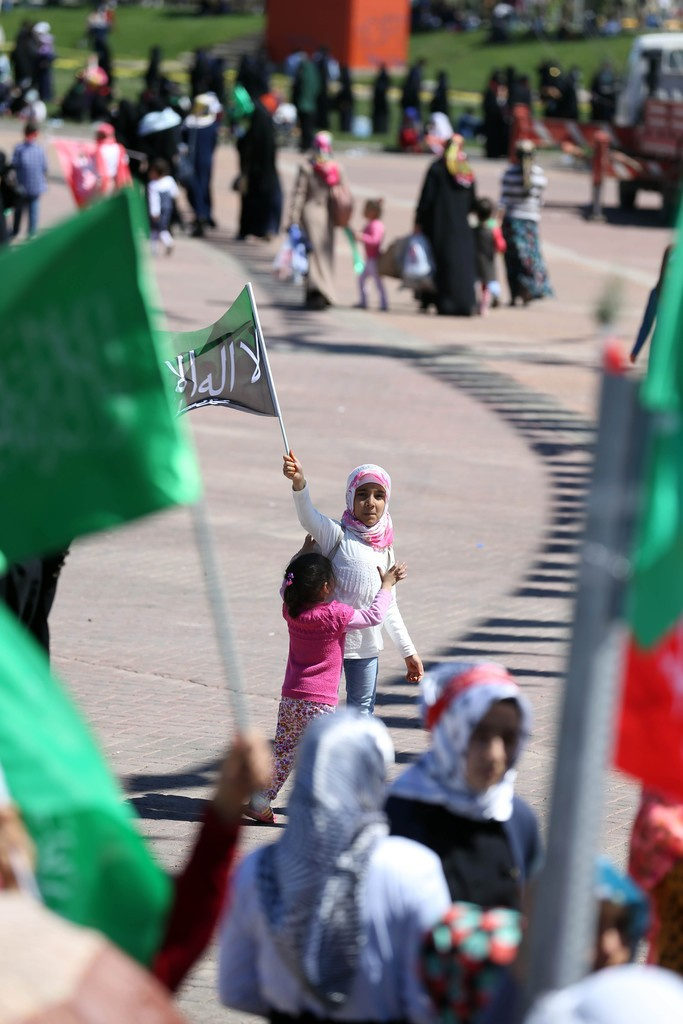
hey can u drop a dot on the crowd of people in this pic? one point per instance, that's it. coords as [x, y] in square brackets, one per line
[401, 901]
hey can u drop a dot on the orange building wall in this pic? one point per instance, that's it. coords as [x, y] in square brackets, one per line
[360, 33]
[379, 34]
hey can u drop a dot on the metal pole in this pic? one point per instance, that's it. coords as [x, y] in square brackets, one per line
[562, 930]
[264, 353]
[215, 592]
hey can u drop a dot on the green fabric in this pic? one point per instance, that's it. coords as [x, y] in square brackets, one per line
[242, 103]
[88, 435]
[222, 364]
[656, 599]
[93, 866]
[309, 87]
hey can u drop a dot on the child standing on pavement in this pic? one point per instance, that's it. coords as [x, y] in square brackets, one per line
[162, 192]
[317, 626]
[358, 545]
[372, 237]
[488, 242]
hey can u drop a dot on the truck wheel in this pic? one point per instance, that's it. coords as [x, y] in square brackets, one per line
[627, 194]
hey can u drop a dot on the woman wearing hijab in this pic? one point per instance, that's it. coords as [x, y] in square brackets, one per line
[259, 182]
[200, 135]
[521, 199]
[311, 209]
[439, 103]
[447, 198]
[459, 798]
[326, 923]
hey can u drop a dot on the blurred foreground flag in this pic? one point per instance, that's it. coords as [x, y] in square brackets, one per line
[88, 435]
[224, 364]
[650, 737]
[92, 865]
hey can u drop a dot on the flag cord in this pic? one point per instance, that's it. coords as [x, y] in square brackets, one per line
[215, 592]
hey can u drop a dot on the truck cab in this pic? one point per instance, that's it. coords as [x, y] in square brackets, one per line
[654, 71]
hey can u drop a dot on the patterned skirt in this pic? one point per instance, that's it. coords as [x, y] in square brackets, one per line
[526, 271]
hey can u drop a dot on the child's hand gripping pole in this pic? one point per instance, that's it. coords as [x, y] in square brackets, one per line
[294, 471]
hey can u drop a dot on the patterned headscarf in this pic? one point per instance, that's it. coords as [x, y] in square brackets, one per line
[463, 958]
[457, 163]
[311, 880]
[381, 535]
[455, 697]
[323, 164]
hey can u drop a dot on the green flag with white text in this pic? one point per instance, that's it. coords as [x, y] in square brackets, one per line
[88, 435]
[92, 865]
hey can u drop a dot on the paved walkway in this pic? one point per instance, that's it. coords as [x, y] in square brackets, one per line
[486, 428]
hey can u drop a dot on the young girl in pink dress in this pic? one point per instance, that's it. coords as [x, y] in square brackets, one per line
[372, 237]
[317, 628]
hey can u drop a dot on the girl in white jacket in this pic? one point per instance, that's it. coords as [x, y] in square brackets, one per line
[357, 546]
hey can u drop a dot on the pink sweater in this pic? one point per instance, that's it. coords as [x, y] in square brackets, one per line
[371, 236]
[316, 646]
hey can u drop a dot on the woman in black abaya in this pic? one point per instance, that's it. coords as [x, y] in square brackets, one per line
[259, 182]
[447, 198]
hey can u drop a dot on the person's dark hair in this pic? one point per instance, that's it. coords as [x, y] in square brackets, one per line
[30, 128]
[305, 577]
[160, 167]
[484, 209]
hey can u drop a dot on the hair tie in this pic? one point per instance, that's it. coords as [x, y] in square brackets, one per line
[289, 579]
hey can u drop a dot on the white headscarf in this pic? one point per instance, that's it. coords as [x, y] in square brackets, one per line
[630, 994]
[311, 880]
[455, 697]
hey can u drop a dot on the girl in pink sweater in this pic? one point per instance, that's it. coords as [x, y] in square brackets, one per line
[372, 237]
[317, 628]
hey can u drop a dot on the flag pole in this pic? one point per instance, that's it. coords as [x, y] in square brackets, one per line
[264, 353]
[562, 926]
[215, 592]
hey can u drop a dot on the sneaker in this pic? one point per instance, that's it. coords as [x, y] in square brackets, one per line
[259, 809]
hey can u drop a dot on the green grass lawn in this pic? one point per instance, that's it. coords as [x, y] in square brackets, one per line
[136, 29]
[468, 58]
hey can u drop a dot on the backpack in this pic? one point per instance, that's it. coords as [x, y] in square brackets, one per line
[341, 205]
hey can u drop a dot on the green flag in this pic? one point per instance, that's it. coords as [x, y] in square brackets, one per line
[88, 435]
[656, 599]
[93, 866]
[223, 364]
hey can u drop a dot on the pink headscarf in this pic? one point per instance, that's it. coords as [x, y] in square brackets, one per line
[381, 535]
[323, 164]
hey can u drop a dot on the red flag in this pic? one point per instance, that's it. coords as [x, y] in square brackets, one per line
[650, 734]
[85, 169]
[77, 160]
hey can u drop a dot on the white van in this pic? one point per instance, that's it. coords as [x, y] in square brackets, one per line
[654, 69]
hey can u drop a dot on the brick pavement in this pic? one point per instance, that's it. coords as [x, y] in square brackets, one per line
[485, 426]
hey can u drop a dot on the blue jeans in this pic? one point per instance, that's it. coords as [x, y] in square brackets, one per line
[361, 683]
[32, 204]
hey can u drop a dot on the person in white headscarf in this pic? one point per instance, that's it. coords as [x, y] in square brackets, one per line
[358, 544]
[327, 922]
[438, 132]
[631, 994]
[459, 797]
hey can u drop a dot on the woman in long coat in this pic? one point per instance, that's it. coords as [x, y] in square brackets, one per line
[447, 198]
[311, 209]
[261, 193]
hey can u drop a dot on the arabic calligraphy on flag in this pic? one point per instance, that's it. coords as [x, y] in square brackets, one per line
[223, 364]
